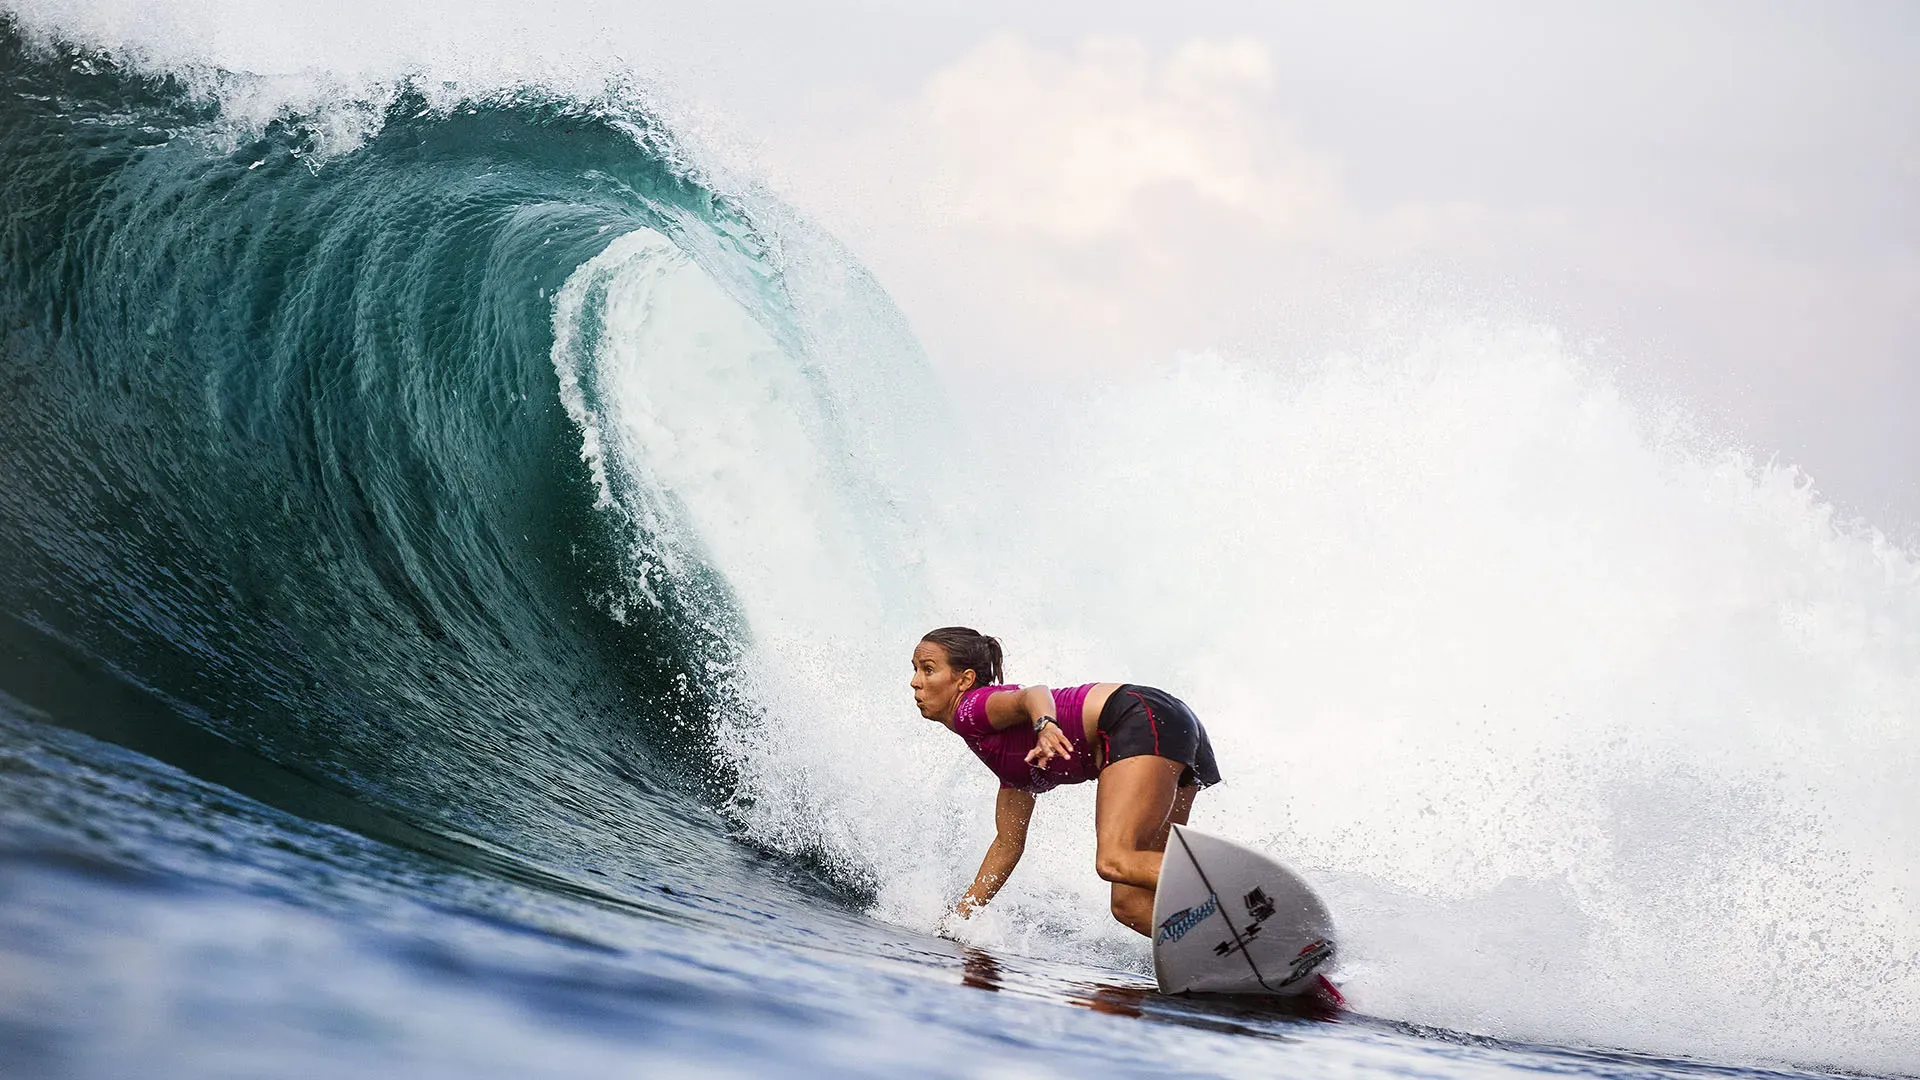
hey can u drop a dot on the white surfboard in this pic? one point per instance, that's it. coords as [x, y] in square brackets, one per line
[1229, 920]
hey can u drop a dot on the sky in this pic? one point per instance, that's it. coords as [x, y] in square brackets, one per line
[1717, 199]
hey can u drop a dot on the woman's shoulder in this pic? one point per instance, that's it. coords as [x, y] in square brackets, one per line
[984, 692]
[973, 703]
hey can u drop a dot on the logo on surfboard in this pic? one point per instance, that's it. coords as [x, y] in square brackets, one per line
[1179, 923]
[1260, 908]
[1317, 952]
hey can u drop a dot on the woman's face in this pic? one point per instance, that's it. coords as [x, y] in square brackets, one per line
[936, 686]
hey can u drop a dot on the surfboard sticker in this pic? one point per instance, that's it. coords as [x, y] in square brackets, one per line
[1229, 920]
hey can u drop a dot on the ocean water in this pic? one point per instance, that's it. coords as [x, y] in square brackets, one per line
[458, 559]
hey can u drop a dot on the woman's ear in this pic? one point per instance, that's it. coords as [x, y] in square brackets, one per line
[967, 679]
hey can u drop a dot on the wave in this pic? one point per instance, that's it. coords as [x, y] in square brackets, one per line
[482, 461]
[287, 465]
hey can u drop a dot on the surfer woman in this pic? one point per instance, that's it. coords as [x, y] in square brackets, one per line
[1145, 749]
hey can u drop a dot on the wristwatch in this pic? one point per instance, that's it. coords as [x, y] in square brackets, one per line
[1043, 722]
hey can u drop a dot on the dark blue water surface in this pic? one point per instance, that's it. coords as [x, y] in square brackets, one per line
[322, 752]
[157, 923]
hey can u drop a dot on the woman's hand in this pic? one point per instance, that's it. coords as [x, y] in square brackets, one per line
[1049, 743]
[950, 924]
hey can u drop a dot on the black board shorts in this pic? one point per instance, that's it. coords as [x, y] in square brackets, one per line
[1140, 720]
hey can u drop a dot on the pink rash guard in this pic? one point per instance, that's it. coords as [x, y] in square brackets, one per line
[1005, 751]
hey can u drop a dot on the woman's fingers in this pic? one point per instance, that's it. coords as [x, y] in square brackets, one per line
[1050, 744]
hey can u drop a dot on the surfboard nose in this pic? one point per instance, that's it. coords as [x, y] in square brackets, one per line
[1228, 919]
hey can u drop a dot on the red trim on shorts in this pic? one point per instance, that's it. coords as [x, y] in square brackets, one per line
[1151, 722]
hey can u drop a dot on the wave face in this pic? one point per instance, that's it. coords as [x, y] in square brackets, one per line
[286, 463]
[481, 475]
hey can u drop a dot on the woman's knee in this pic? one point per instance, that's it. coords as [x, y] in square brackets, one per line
[1112, 864]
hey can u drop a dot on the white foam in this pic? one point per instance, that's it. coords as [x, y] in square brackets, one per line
[1593, 730]
[1590, 730]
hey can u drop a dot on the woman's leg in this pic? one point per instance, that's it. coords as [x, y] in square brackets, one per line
[1138, 799]
[1133, 905]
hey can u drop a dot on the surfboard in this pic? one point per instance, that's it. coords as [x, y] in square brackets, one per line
[1229, 920]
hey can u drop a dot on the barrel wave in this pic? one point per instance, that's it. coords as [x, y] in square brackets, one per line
[287, 468]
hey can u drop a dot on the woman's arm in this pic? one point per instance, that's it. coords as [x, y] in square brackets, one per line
[1023, 706]
[1012, 811]
[1027, 706]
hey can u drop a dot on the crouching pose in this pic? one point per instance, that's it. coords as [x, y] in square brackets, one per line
[1143, 747]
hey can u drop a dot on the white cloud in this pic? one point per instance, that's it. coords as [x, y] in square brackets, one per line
[1075, 147]
[1060, 210]
[1068, 209]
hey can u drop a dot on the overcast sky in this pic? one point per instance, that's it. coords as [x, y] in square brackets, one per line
[1726, 194]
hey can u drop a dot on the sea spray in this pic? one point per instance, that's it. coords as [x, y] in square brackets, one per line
[1592, 730]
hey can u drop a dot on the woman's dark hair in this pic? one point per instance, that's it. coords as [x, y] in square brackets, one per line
[970, 650]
